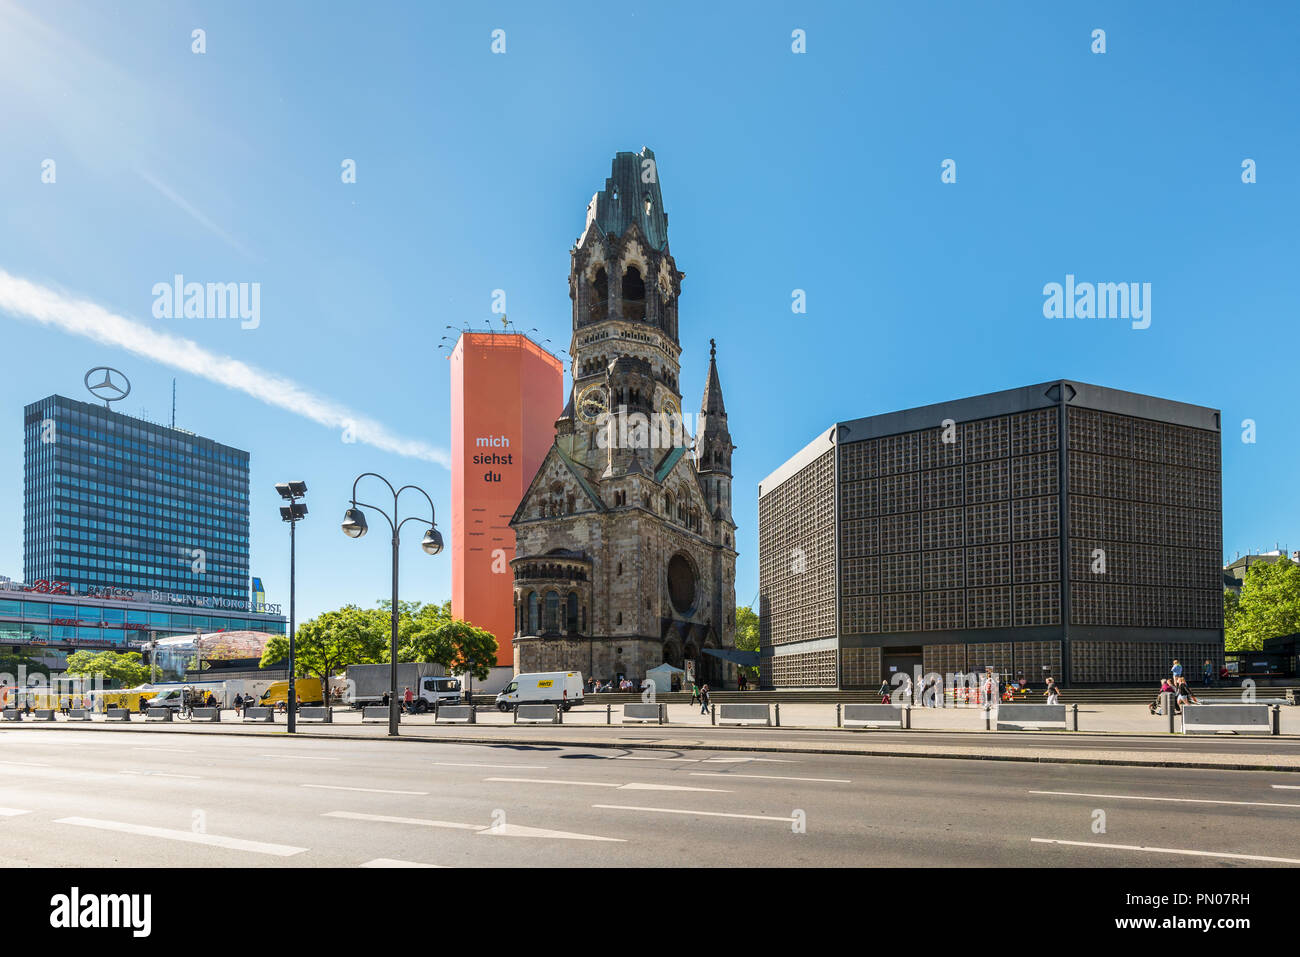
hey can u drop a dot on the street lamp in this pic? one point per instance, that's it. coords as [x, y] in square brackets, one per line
[292, 513]
[354, 526]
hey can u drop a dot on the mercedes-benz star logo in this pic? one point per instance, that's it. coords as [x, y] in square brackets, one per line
[112, 387]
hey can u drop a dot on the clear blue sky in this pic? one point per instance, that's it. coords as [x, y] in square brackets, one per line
[780, 171]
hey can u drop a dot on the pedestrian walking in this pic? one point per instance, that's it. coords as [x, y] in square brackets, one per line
[1053, 693]
[704, 700]
[1183, 696]
[407, 697]
[883, 691]
[1208, 673]
[990, 689]
[1176, 670]
[695, 692]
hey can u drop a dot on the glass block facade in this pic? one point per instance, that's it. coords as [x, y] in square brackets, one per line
[1062, 527]
[112, 501]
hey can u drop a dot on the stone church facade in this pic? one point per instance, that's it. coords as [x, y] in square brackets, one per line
[625, 544]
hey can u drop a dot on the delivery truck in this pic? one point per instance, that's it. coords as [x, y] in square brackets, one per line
[429, 685]
[547, 687]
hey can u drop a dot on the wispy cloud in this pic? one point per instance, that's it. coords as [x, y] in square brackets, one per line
[193, 212]
[27, 300]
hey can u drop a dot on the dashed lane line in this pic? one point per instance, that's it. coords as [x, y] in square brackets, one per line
[393, 862]
[301, 757]
[673, 810]
[766, 777]
[1170, 800]
[188, 837]
[161, 774]
[1167, 850]
[493, 830]
[492, 767]
[340, 787]
[607, 784]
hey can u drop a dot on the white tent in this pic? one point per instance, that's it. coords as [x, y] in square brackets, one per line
[662, 677]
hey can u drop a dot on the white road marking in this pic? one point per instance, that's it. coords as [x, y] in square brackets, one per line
[607, 784]
[633, 757]
[1168, 850]
[391, 819]
[300, 757]
[504, 830]
[493, 767]
[1139, 797]
[518, 830]
[1288, 787]
[340, 787]
[741, 760]
[168, 750]
[392, 862]
[766, 777]
[163, 774]
[189, 837]
[12, 812]
[672, 810]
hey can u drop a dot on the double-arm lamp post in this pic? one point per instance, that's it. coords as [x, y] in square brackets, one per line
[293, 513]
[354, 526]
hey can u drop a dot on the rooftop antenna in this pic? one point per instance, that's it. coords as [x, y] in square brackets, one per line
[173, 402]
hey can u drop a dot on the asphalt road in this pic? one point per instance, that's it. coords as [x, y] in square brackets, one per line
[141, 799]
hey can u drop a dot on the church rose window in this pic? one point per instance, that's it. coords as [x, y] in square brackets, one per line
[681, 583]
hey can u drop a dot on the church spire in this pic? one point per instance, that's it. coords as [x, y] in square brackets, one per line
[712, 404]
[713, 446]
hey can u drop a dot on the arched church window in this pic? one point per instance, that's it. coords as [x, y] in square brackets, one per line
[552, 612]
[599, 295]
[633, 294]
[534, 625]
[571, 623]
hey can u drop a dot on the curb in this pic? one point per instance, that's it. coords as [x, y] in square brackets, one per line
[774, 748]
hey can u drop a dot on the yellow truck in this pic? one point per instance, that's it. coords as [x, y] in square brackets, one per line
[308, 690]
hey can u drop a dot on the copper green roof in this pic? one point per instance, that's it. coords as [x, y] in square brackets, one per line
[628, 198]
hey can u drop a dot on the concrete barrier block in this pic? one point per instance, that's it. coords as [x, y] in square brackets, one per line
[454, 714]
[744, 714]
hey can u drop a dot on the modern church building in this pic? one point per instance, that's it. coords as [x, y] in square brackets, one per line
[1059, 528]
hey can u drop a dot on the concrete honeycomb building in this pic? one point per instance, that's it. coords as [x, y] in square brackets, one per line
[1060, 528]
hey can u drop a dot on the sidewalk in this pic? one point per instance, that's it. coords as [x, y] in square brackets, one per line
[1133, 737]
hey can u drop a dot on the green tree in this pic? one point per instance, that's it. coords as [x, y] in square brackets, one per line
[430, 634]
[747, 636]
[1230, 602]
[331, 641]
[1269, 606]
[127, 669]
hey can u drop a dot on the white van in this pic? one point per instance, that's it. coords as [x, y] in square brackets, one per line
[546, 687]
